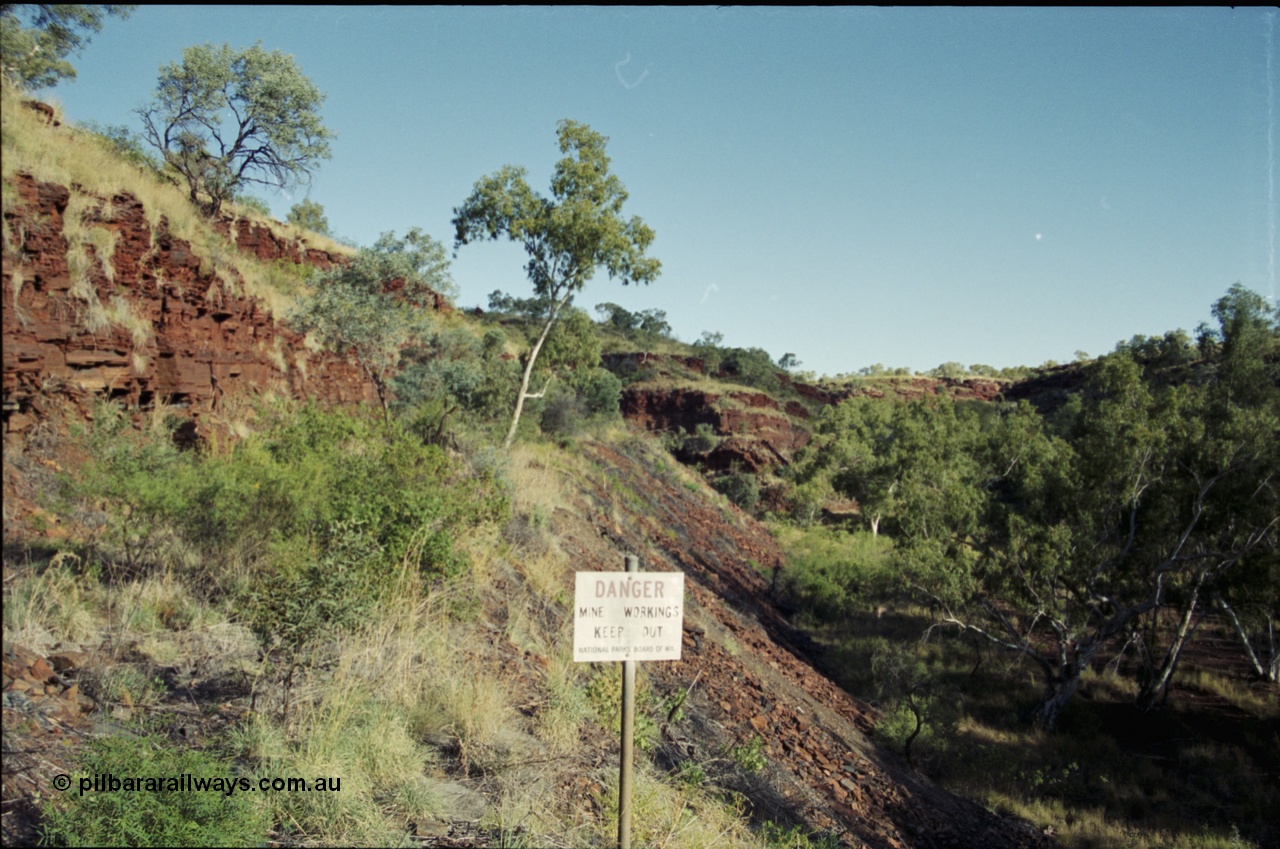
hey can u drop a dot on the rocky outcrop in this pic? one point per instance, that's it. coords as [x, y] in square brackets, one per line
[258, 240]
[754, 431]
[152, 322]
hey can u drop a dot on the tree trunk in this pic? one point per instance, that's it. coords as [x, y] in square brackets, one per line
[1062, 683]
[1156, 682]
[528, 371]
[1267, 672]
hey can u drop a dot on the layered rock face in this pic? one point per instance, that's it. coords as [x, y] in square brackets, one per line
[151, 322]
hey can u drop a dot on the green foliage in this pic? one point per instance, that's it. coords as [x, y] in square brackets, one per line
[126, 144]
[167, 816]
[789, 361]
[951, 370]
[691, 774]
[920, 707]
[831, 573]
[742, 488]
[226, 118]
[703, 440]
[751, 366]
[795, 837]
[749, 757]
[600, 392]
[131, 474]
[1114, 520]
[604, 695]
[645, 327]
[572, 346]
[35, 38]
[310, 216]
[457, 369]
[529, 309]
[374, 306]
[562, 413]
[307, 527]
[254, 203]
[567, 237]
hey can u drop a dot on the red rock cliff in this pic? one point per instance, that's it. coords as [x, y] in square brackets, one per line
[154, 323]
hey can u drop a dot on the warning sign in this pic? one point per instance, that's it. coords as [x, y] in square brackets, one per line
[628, 616]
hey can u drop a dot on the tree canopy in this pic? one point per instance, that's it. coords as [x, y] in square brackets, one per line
[1111, 525]
[224, 118]
[34, 55]
[567, 236]
[310, 215]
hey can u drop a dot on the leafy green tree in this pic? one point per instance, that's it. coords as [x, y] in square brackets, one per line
[568, 236]
[35, 38]
[1158, 494]
[378, 304]
[649, 324]
[225, 118]
[1151, 495]
[618, 317]
[709, 339]
[310, 216]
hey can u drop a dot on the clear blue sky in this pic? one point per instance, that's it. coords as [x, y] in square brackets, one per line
[906, 186]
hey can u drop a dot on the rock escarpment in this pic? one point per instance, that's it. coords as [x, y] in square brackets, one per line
[137, 314]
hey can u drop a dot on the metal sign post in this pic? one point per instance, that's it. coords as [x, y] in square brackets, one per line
[628, 617]
[628, 737]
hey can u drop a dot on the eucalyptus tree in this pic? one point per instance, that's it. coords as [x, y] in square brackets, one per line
[224, 118]
[35, 38]
[1114, 535]
[567, 236]
[1113, 528]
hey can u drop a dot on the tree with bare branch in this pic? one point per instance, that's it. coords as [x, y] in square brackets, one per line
[567, 236]
[225, 118]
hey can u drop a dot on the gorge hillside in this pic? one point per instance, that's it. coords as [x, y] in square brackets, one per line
[215, 559]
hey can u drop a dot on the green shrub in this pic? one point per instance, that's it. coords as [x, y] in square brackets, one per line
[310, 523]
[151, 817]
[832, 573]
[751, 366]
[600, 392]
[742, 488]
[703, 441]
[562, 412]
[749, 757]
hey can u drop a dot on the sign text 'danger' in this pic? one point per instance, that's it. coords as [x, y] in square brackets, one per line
[628, 616]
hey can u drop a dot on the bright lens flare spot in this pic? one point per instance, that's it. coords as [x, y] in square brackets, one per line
[1039, 237]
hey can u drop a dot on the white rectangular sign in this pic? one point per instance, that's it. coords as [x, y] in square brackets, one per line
[628, 616]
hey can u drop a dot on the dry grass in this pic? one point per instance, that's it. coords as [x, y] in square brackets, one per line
[72, 157]
[49, 604]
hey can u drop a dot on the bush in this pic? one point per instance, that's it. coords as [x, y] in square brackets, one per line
[833, 573]
[310, 216]
[601, 393]
[750, 366]
[704, 439]
[742, 489]
[161, 817]
[310, 524]
[562, 412]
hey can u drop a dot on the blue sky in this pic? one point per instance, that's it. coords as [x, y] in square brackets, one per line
[905, 186]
